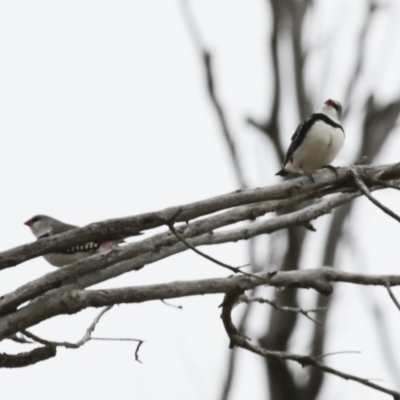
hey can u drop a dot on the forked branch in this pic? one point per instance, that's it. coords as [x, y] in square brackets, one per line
[238, 339]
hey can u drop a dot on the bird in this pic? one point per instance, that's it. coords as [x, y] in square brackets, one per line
[43, 226]
[316, 141]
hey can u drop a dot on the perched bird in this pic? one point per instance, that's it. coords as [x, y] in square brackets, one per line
[316, 142]
[43, 226]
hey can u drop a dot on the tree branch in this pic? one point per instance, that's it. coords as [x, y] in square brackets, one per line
[273, 303]
[71, 301]
[361, 185]
[91, 270]
[123, 227]
[101, 267]
[28, 358]
[236, 270]
[69, 345]
[87, 337]
[392, 296]
[238, 339]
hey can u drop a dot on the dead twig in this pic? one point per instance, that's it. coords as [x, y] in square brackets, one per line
[86, 337]
[364, 189]
[236, 270]
[261, 300]
[334, 353]
[69, 345]
[171, 305]
[238, 339]
[139, 341]
[392, 296]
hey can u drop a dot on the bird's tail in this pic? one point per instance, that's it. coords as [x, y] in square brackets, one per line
[110, 243]
[282, 172]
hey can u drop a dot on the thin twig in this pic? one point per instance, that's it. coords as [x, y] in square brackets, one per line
[361, 185]
[261, 300]
[171, 305]
[392, 296]
[236, 270]
[137, 351]
[85, 338]
[238, 339]
[69, 345]
[334, 353]
[139, 341]
[19, 339]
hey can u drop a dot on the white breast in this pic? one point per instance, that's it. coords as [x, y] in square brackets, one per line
[319, 148]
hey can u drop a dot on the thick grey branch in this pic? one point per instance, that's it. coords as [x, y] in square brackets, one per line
[124, 227]
[28, 358]
[89, 271]
[72, 301]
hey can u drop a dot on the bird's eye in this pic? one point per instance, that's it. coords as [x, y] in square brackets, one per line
[35, 219]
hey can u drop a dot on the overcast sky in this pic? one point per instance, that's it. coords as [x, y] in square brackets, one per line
[105, 114]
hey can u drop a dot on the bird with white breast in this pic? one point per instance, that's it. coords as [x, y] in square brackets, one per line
[316, 142]
[43, 226]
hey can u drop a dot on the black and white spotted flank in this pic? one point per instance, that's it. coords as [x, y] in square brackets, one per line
[82, 248]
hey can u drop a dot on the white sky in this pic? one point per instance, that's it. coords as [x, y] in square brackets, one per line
[105, 114]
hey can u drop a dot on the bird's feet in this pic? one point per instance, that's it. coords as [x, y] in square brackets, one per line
[332, 168]
[311, 176]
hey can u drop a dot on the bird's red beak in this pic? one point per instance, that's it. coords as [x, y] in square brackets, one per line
[28, 223]
[330, 102]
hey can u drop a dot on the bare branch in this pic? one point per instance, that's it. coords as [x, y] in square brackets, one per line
[392, 185]
[87, 337]
[392, 296]
[160, 246]
[171, 305]
[238, 339]
[236, 270]
[94, 269]
[130, 226]
[139, 343]
[72, 301]
[69, 345]
[334, 353]
[57, 293]
[20, 339]
[28, 358]
[361, 185]
[261, 300]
